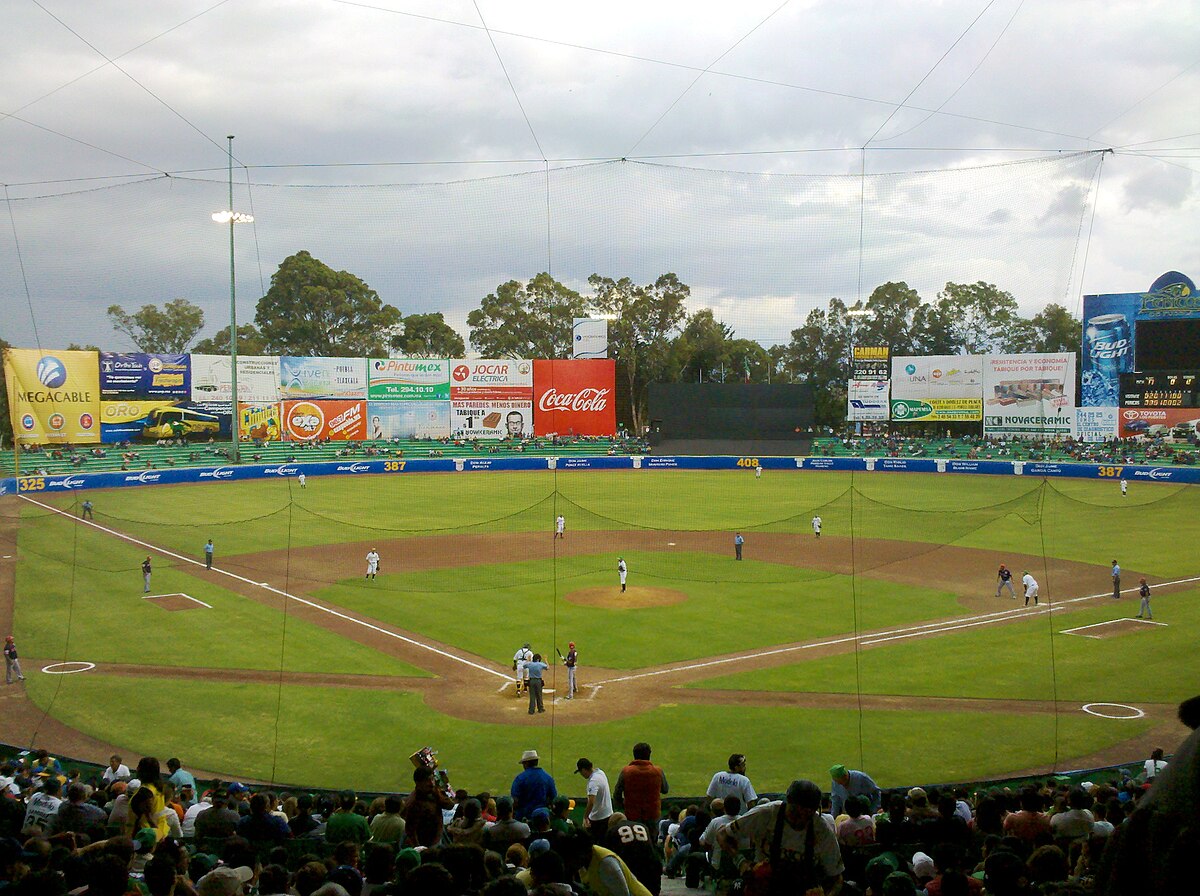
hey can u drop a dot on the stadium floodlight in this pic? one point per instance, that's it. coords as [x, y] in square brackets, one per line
[231, 218]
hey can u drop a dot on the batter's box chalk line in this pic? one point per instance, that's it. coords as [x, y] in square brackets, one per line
[177, 594]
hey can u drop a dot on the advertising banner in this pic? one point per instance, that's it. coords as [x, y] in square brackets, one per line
[322, 377]
[1159, 422]
[408, 379]
[867, 400]
[341, 421]
[936, 410]
[509, 380]
[258, 379]
[871, 362]
[495, 418]
[124, 420]
[1030, 395]
[417, 419]
[589, 337]
[127, 374]
[938, 376]
[54, 397]
[1095, 424]
[259, 421]
[1109, 335]
[574, 397]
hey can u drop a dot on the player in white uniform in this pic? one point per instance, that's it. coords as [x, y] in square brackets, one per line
[758, 472]
[372, 563]
[1124, 487]
[816, 526]
[520, 658]
[560, 525]
[1031, 588]
[622, 571]
[300, 477]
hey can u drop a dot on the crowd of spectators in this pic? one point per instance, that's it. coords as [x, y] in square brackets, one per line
[1136, 450]
[155, 832]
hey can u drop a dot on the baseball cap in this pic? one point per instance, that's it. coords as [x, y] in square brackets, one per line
[898, 884]
[917, 793]
[224, 881]
[923, 865]
[837, 771]
[541, 812]
[539, 846]
[236, 787]
[145, 840]
[572, 643]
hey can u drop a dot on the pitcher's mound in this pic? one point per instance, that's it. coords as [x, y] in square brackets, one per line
[633, 598]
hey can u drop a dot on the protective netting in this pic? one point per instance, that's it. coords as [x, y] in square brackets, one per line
[784, 244]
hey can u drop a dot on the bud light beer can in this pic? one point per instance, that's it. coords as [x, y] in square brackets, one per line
[1108, 344]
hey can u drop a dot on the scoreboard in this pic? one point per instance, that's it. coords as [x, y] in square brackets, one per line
[1160, 390]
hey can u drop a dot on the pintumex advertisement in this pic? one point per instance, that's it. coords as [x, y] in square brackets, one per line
[1029, 396]
[408, 379]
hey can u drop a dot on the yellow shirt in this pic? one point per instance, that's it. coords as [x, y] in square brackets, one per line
[591, 878]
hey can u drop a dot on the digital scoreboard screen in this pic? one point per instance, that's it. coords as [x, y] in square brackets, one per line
[1160, 390]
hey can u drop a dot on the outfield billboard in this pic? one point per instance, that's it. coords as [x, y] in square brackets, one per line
[589, 337]
[260, 421]
[1155, 422]
[307, 377]
[491, 399]
[867, 400]
[212, 382]
[1030, 395]
[54, 397]
[1095, 424]
[137, 375]
[408, 379]
[415, 419]
[575, 397]
[939, 388]
[870, 362]
[308, 421]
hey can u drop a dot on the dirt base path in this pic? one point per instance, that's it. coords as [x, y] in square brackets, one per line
[480, 688]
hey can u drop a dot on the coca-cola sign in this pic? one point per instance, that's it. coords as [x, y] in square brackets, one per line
[583, 400]
[574, 397]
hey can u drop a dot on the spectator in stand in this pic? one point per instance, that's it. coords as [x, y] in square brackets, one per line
[346, 824]
[507, 830]
[219, 821]
[115, 771]
[848, 783]
[467, 829]
[388, 826]
[640, 786]
[733, 782]
[41, 808]
[533, 788]
[79, 816]
[919, 809]
[261, 825]
[1030, 824]
[724, 812]
[179, 775]
[894, 830]
[148, 805]
[422, 810]
[1154, 765]
[857, 828]
[188, 827]
[304, 823]
[1077, 821]
[599, 799]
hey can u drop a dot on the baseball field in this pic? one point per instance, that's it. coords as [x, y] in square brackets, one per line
[881, 644]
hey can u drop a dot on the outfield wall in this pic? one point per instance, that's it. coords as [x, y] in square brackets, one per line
[122, 479]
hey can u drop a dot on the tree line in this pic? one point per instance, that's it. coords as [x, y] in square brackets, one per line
[311, 309]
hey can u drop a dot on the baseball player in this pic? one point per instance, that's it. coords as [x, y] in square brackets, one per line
[1116, 577]
[1031, 588]
[301, 478]
[816, 524]
[87, 511]
[520, 658]
[560, 525]
[372, 563]
[758, 472]
[12, 665]
[622, 571]
[1124, 486]
[146, 570]
[571, 660]
[1143, 591]
[1004, 580]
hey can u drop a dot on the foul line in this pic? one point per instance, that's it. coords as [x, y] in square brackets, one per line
[897, 634]
[176, 594]
[280, 592]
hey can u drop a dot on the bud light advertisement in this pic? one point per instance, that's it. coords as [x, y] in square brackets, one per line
[1109, 331]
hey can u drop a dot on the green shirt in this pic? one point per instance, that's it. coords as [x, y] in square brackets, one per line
[343, 826]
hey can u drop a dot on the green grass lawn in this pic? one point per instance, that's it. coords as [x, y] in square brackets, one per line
[490, 610]
[1024, 661]
[79, 590]
[332, 738]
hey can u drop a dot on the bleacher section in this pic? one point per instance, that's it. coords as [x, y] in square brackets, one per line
[1123, 451]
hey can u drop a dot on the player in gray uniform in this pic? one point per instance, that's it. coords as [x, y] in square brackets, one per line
[1004, 580]
[570, 661]
[520, 658]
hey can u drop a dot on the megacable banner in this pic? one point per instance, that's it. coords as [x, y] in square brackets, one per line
[574, 397]
[53, 396]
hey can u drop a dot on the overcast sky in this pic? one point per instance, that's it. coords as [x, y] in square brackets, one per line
[497, 126]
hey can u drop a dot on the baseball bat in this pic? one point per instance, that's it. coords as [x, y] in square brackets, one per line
[559, 652]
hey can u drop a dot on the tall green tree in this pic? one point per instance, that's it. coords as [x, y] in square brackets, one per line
[893, 308]
[982, 316]
[642, 322]
[6, 430]
[818, 355]
[250, 342]
[429, 336]
[1056, 330]
[311, 309]
[169, 329]
[701, 351]
[526, 320]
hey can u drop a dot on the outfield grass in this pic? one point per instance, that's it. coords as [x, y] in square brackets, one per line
[362, 738]
[79, 590]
